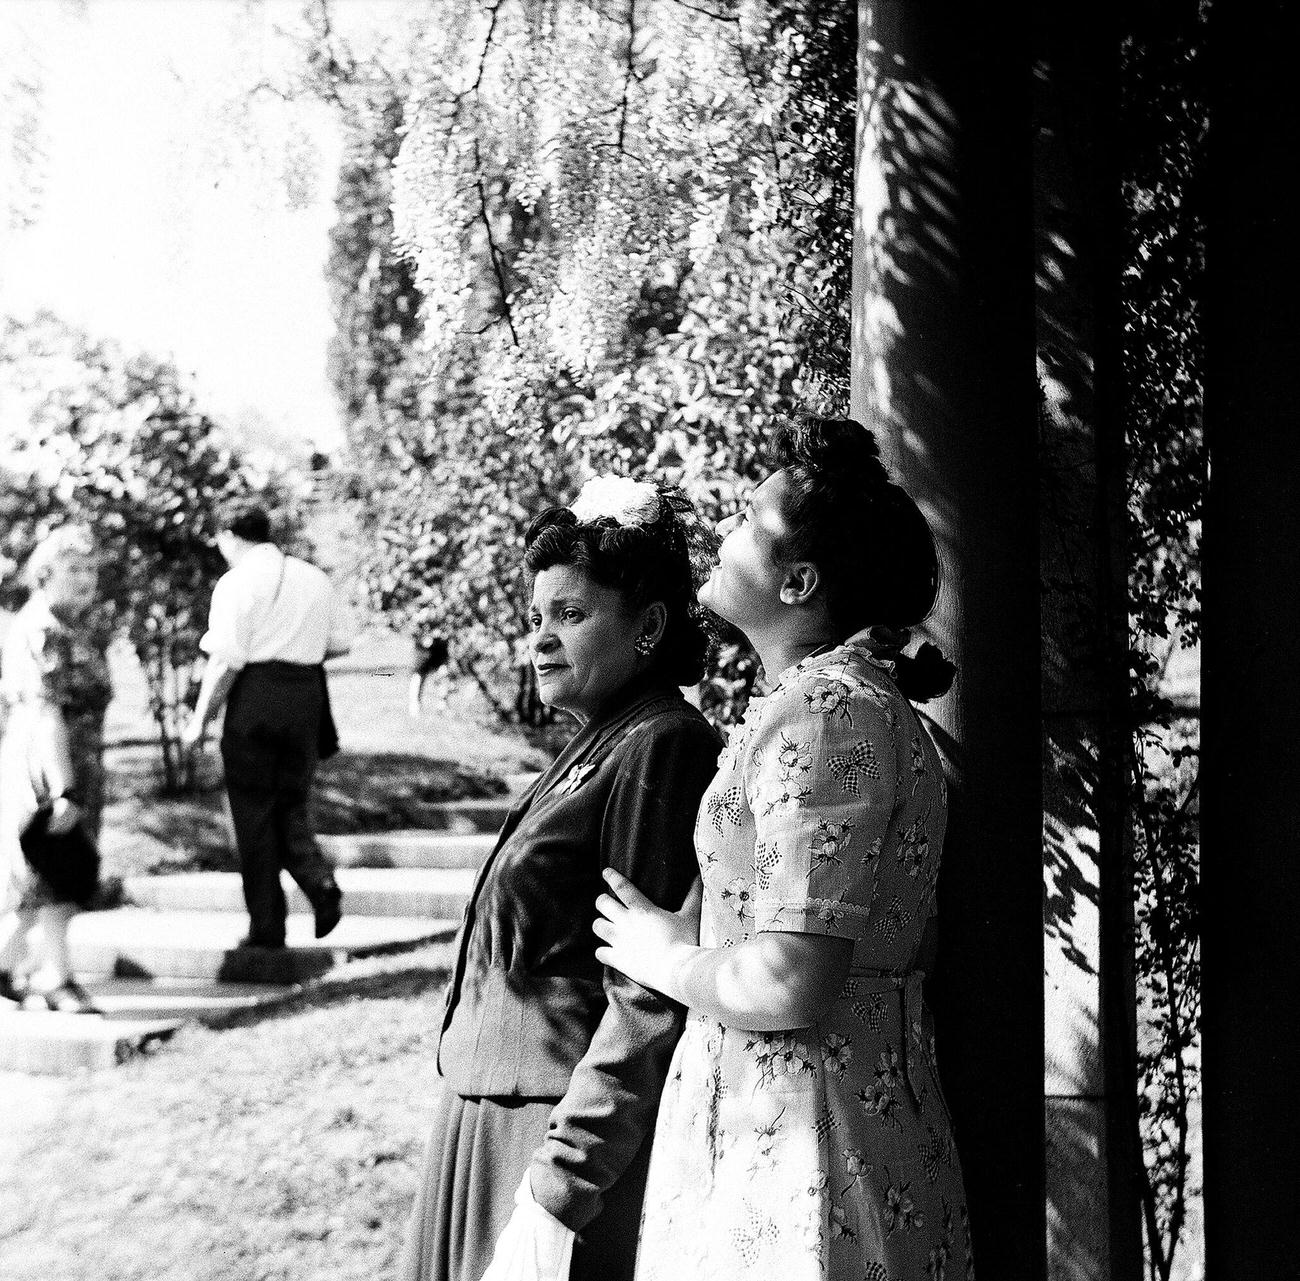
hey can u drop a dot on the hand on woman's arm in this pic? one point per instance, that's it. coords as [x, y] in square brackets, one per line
[770, 982]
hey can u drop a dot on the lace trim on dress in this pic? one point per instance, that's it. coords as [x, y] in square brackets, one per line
[818, 905]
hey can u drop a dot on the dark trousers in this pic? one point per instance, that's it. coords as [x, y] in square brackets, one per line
[270, 746]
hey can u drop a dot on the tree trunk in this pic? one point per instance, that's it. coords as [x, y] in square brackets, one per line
[1250, 868]
[943, 342]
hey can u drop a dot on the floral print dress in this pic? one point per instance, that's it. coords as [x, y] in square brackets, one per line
[823, 1152]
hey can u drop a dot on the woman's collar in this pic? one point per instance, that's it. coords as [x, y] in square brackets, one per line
[618, 709]
[878, 644]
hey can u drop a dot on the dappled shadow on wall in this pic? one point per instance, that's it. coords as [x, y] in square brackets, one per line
[905, 274]
[1071, 254]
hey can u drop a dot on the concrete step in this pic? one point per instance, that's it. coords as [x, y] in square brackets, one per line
[408, 849]
[135, 942]
[437, 893]
[138, 1014]
[198, 1000]
[65, 1044]
[464, 818]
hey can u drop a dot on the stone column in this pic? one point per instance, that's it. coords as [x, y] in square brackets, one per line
[943, 371]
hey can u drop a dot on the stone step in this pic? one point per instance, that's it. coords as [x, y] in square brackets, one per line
[408, 849]
[435, 893]
[138, 1014]
[483, 816]
[134, 942]
[66, 1044]
[52, 1044]
[198, 1000]
[520, 781]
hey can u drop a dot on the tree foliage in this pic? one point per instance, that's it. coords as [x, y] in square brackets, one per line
[372, 291]
[819, 142]
[628, 141]
[23, 140]
[616, 242]
[1165, 119]
[118, 442]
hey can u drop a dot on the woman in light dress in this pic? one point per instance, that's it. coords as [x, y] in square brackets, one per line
[54, 684]
[802, 1133]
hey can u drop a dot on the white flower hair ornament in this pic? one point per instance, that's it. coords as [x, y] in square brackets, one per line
[630, 502]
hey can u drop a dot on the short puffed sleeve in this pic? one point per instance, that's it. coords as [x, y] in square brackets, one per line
[229, 633]
[821, 779]
[32, 659]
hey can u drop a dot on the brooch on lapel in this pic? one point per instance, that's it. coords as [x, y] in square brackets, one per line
[576, 777]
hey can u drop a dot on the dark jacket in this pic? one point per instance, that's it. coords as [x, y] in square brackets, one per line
[530, 1013]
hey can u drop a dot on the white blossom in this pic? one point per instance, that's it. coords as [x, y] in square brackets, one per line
[630, 502]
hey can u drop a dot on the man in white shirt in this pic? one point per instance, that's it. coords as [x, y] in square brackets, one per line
[273, 621]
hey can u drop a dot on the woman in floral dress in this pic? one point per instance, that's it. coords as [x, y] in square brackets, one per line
[802, 1133]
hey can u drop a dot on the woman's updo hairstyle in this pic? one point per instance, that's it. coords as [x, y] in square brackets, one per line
[877, 556]
[70, 542]
[647, 560]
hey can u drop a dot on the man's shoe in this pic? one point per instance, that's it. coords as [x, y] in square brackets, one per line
[253, 940]
[328, 910]
[12, 989]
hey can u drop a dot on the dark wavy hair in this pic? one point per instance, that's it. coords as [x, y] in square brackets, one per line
[876, 553]
[246, 519]
[643, 563]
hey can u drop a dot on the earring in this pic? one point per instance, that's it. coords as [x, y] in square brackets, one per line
[644, 645]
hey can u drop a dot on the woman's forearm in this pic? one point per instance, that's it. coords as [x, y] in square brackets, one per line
[767, 983]
[55, 756]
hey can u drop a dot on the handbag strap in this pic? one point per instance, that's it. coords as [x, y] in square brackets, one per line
[279, 581]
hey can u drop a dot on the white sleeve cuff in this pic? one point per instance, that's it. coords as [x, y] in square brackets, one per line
[535, 1245]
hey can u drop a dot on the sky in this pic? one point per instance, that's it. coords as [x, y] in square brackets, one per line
[165, 221]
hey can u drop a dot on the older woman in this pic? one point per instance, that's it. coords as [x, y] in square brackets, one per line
[55, 686]
[551, 1066]
[803, 1133]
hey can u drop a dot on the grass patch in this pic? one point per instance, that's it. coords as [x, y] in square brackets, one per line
[286, 1146]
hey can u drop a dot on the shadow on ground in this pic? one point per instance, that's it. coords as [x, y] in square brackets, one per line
[410, 981]
[147, 832]
[386, 791]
